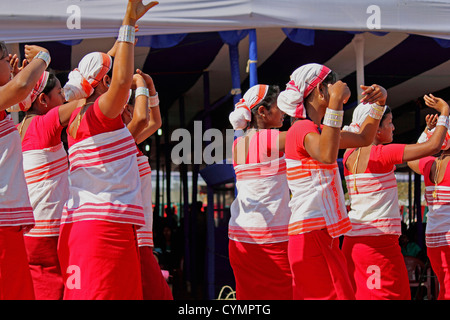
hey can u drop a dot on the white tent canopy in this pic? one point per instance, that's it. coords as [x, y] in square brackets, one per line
[51, 20]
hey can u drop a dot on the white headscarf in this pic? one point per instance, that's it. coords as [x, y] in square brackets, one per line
[82, 80]
[360, 114]
[35, 92]
[303, 80]
[242, 113]
[426, 136]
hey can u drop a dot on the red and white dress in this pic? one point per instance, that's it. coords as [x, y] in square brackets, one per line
[259, 222]
[374, 258]
[154, 286]
[318, 217]
[16, 215]
[98, 246]
[437, 233]
[46, 167]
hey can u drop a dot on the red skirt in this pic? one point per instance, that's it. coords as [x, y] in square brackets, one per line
[261, 271]
[440, 262]
[99, 261]
[44, 266]
[318, 267]
[154, 286]
[377, 268]
[15, 277]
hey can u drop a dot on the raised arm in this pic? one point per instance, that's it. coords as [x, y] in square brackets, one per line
[414, 152]
[111, 103]
[324, 147]
[140, 116]
[375, 95]
[21, 85]
[154, 115]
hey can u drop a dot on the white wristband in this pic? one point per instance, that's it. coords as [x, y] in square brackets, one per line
[126, 34]
[141, 91]
[154, 101]
[376, 111]
[442, 121]
[333, 118]
[44, 56]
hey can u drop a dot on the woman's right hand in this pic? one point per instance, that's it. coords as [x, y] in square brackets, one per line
[340, 91]
[31, 51]
[437, 103]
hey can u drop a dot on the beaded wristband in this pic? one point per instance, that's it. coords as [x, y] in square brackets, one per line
[333, 118]
[141, 91]
[44, 56]
[154, 101]
[126, 34]
[376, 111]
[442, 121]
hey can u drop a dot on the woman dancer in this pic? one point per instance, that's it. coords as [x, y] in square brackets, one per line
[436, 173]
[142, 117]
[46, 172]
[97, 244]
[318, 209]
[374, 259]
[260, 213]
[16, 214]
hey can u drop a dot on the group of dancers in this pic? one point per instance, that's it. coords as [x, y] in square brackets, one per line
[78, 225]
[289, 214]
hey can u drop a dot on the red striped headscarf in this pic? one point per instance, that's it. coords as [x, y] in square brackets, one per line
[25, 104]
[82, 80]
[303, 80]
[242, 113]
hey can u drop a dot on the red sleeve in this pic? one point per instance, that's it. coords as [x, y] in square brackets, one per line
[425, 165]
[295, 137]
[384, 157]
[43, 132]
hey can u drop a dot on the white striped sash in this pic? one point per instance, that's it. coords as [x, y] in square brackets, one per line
[144, 235]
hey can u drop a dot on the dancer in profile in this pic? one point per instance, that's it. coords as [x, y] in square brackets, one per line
[436, 174]
[46, 172]
[142, 118]
[319, 214]
[97, 244]
[260, 213]
[16, 213]
[372, 246]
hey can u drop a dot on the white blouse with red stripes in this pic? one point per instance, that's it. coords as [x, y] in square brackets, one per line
[437, 232]
[15, 206]
[104, 180]
[317, 195]
[260, 212]
[373, 194]
[46, 173]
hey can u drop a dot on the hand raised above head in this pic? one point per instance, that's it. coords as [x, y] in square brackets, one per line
[31, 51]
[436, 103]
[136, 9]
[339, 90]
[374, 94]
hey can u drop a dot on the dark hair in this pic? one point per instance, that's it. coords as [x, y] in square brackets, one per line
[51, 83]
[3, 49]
[267, 102]
[387, 110]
